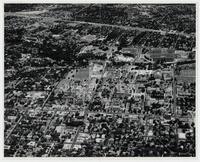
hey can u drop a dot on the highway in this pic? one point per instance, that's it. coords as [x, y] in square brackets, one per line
[92, 23]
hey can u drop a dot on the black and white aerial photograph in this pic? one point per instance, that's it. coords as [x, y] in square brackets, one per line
[99, 80]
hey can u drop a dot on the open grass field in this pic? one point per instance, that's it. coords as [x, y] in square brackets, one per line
[82, 74]
[187, 75]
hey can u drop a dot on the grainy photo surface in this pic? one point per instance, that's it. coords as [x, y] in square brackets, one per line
[99, 80]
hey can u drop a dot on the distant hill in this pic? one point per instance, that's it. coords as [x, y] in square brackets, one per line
[18, 7]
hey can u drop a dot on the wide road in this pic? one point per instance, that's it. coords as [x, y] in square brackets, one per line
[126, 27]
[24, 14]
